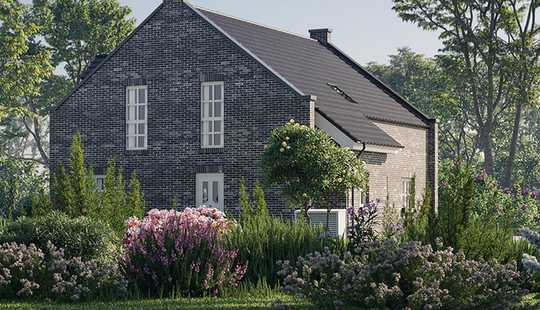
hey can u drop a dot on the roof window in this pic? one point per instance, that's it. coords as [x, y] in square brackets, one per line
[341, 93]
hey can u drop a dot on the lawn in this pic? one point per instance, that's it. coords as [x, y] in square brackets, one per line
[250, 302]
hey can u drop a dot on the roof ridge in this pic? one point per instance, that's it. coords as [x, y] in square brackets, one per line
[198, 7]
[383, 86]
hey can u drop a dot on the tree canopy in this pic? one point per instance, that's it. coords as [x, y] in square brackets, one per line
[44, 47]
[491, 52]
[309, 166]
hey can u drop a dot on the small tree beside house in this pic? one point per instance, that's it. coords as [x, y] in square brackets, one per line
[75, 193]
[310, 167]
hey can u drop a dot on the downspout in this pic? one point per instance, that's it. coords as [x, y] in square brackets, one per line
[352, 189]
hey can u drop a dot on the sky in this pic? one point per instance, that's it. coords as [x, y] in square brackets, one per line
[367, 30]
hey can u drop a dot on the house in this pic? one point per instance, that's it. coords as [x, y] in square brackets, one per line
[189, 99]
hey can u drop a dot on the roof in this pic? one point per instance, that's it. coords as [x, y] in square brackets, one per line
[310, 67]
[314, 68]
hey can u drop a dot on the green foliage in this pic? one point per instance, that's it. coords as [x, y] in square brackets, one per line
[20, 187]
[416, 223]
[79, 30]
[75, 191]
[135, 197]
[246, 211]
[308, 165]
[259, 204]
[39, 43]
[474, 216]
[250, 209]
[456, 202]
[262, 241]
[495, 81]
[23, 66]
[80, 236]
[117, 205]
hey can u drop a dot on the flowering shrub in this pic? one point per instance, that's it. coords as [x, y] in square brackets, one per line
[411, 276]
[29, 272]
[514, 207]
[530, 262]
[362, 232]
[181, 253]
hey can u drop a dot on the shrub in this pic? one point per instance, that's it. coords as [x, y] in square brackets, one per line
[478, 217]
[180, 253]
[81, 236]
[20, 184]
[117, 205]
[530, 262]
[309, 165]
[363, 227]
[261, 242]
[74, 191]
[29, 272]
[410, 276]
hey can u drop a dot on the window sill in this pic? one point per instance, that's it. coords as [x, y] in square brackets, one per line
[211, 150]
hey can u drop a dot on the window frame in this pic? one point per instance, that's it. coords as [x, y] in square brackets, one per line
[100, 189]
[213, 118]
[137, 121]
[406, 192]
[210, 177]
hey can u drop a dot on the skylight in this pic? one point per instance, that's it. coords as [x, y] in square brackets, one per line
[341, 93]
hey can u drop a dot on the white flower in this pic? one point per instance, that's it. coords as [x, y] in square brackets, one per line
[284, 144]
[340, 180]
[291, 120]
[287, 138]
[282, 150]
[288, 147]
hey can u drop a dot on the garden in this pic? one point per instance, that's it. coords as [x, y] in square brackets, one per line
[80, 247]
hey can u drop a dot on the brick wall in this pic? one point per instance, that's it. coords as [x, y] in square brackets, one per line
[387, 170]
[172, 54]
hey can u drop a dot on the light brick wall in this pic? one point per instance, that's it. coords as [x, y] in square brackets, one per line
[387, 170]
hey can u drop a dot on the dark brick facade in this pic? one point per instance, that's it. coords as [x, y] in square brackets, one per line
[172, 53]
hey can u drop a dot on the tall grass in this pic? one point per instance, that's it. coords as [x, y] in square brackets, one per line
[261, 241]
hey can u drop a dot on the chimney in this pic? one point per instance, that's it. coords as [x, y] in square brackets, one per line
[321, 35]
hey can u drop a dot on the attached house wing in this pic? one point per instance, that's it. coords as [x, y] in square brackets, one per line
[318, 69]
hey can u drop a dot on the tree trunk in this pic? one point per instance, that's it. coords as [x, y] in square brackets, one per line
[507, 180]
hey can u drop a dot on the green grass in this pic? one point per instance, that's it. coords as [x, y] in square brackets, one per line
[245, 302]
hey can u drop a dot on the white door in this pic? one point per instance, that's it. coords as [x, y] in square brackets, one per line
[209, 190]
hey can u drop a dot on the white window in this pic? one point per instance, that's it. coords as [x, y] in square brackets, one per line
[355, 198]
[100, 183]
[212, 114]
[406, 192]
[209, 190]
[136, 117]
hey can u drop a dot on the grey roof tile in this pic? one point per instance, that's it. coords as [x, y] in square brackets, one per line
[310, 66]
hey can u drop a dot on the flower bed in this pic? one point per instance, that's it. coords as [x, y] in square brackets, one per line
[181, 253]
